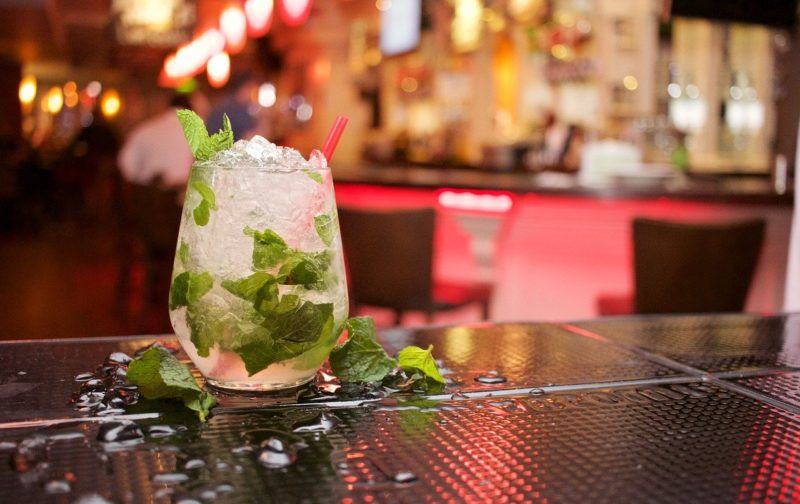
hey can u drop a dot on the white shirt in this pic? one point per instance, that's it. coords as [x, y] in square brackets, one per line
[157, 148]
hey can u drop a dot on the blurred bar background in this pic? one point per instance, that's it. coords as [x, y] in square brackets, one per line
[535, 130]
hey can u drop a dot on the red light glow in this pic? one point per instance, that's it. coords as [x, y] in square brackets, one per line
[233, 24]
[259, 16]
[219, 69]
[294, 12]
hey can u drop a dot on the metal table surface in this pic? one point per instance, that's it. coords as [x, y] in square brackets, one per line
[679, 408]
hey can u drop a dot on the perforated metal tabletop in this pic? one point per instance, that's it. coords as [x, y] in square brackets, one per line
[669, 409]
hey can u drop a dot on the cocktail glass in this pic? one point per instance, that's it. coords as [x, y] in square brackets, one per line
[259, 296]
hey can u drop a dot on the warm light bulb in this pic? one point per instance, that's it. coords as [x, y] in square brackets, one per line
[110, 103]
[55, 100]
[27, 90]
[267, 95]
[219, 69]
[259, 16]
[233, 24]
[294, 12]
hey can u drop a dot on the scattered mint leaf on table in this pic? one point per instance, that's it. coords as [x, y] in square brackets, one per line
[159, 375]
[413, 359]
[361, 358]
[188, 287]
[326, 227]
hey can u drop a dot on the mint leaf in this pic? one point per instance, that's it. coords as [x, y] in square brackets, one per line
[361, 358]
[302, 269]
[268, 248]
[289, 334]
[188, 287]
[194, 129]
[247, 288]
[208, 202]
[414, 359]
[202, 213]
[206, 193]
[183, 253]
[315, 176]
[204, 327]
[326, 227]
[159, 375]
[203, 146]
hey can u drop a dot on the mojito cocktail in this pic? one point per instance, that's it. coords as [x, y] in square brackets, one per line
[258, 294]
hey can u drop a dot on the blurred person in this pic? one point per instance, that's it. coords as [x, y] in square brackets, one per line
[236, 104]
[156, 152]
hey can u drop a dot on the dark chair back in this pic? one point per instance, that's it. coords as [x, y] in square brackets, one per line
[687, 267]
[389, 256]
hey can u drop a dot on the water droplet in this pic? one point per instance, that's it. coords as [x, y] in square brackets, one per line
[536, 392]
[404, 477]
[30, 453]
[240, 450]
[84, 377]
[208, 495]
[92, 499]
[490, 378]
[21, 373]
[163, 492]
[323, 422]
[194, 464]
[276, 454]
[120, 432]
[159, 431]
[119, 358]
[187, 500]
[459, 395]
[57, 487]
[170, 478]
[93, 385]
[224, 488]
[66, 436]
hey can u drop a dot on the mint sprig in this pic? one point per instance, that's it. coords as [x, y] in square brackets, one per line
[203, 146]
[159, 375]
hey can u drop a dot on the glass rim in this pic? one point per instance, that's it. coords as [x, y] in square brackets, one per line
[270, 168]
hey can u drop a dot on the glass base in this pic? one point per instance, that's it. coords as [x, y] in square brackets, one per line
[252, 386]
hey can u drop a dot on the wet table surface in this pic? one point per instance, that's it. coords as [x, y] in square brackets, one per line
[672, 409]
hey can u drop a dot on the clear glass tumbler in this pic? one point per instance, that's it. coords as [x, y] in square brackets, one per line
[258, 295]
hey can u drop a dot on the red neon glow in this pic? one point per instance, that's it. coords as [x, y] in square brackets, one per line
[219, 69]
[233, 24]
[294, 12]
[259, 16]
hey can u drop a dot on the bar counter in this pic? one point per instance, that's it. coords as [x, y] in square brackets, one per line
[656, 409]
[712, 189]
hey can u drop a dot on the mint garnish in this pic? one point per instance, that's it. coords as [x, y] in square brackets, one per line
[361, 358]
[203, 146]
[188, 287]
[326, 227]
[159, 375]
[413, 359]
[316, 177]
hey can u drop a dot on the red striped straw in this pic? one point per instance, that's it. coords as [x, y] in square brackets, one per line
[333, 137]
